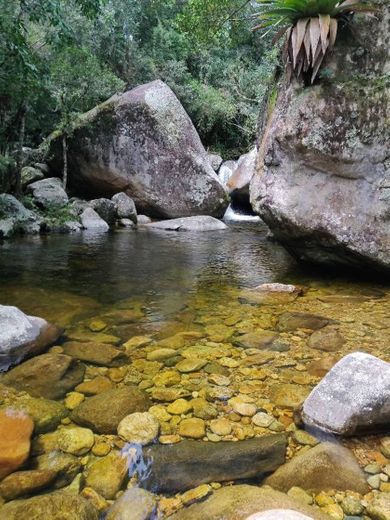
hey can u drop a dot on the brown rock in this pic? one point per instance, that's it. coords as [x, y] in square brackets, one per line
[327, 466]
[290, 321]
[96, 353]
[15, 433]
[328, 339]
[194, 428]
[103, 412]
[23, 483]
[107, 474]
[96, 386]
[288, 395]
[49, 375]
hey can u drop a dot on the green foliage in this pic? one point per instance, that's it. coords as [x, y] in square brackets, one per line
[7, 169]
[311, 27]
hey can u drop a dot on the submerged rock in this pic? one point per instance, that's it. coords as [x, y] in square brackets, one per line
[15, 432]
[49, 375]
[352, 397]
[322, 183]
[290, 321]
[107, 474]
[103, 412]
[48, 193]
[142, 142]
[200, 223]
[65, 466]
[239, 502]
[134, 504]
[326, 466]
[96, 353]
[24, 483]
[187, 464]
[139, 428]
[60, 505]
[22, 336]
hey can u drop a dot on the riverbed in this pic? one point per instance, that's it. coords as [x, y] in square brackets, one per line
[146, 291]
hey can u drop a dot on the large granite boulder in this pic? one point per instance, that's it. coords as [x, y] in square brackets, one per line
[23, 336]
[143, 143]
[187, 464]
[353, 397]
[239, 182]
[323, 180]
[15, 217]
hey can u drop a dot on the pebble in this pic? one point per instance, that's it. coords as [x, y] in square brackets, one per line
[73, 399]
[161, 354]
[179, 407]
[139, 428]
[372, 469]
[190, 365]
[300, 494]
[193, 428]
[374, 481]
[168, 378]
[221, 427]
[352, 506]
[75, 440]
[304, 438]
[262, 419]
[160, 413]
[219, 380]
[246, 409]
[101, 448]
[169, 439]
[196, 494]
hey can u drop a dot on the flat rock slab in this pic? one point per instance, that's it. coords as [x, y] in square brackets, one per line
[188, 464]
[290, 321]
[96, 353]
[324, 467]
[239, 502]
[49, 375]
[200, 223]
[352, 397]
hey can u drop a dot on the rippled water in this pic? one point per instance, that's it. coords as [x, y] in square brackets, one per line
[161, 284]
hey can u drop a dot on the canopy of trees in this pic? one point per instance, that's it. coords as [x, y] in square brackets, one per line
[61, 57]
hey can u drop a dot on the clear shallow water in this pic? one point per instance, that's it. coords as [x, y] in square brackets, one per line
[161, 285]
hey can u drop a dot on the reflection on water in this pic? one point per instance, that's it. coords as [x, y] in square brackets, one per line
[218, 364]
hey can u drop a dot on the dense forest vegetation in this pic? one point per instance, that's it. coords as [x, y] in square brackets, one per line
[59, 58]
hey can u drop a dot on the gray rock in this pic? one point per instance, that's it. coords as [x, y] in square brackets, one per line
[43, 167]
[325, 193]
[91, 221]
[48, 192]
[226, 171]
[125, 207]
[239, 181]
[30, 174]
[215, 161]
[143, 142]
[239, 502]
[352, 397]
[134, 504]
[126, 223]
[187, 464]
[326, 466]
[7, 227]
[105, 208]
[200, 223]
[78, 205]
[22, 336]
[48, 375]
[54, 506]
[143, 219]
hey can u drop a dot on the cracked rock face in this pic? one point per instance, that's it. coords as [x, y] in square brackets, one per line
[323, 177]
[143, 143]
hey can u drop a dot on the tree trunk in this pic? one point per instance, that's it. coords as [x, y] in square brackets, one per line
[65, 161]
[19, 158]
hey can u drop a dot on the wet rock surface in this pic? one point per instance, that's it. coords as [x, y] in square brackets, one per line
[189, 464]
[148, 118]
[103, 412]
[198, 224]
[353, 396]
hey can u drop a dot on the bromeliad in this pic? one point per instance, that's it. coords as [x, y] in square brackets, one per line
[310, 26]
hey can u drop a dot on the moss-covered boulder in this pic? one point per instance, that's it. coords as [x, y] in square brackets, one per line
[323, 179]
[144, 144]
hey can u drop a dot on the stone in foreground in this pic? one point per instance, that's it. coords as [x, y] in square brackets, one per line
[22, 336]
[188, 464]
[239, 502]
[54, 506]
[352, 397]
[143, 143]
[15, 432]
[200, 223]
[134, 504]
[326, 466]
[279, 514]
